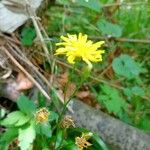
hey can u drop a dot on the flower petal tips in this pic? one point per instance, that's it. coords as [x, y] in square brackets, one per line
[74, 46]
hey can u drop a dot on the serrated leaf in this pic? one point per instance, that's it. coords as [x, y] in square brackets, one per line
[16, 118]
[91, 4]
[27, 36]
[112, 100]
[25, 105]
[125, 66]
[108, 28]
[26, 137]
[136, 90]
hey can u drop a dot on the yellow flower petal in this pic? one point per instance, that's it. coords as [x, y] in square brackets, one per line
[71, 59]
[74, 46]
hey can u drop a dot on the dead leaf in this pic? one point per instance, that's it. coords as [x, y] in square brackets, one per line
[23, 82]
[83, 94]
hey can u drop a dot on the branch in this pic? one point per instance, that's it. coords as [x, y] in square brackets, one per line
[25, 72]
[143, 41]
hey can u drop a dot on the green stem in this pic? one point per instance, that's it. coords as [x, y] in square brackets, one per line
[85, 76]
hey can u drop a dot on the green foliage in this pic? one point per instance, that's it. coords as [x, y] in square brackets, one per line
[53, 116]
[101, 144]
[23, 126]
[25, 105]
[7, 138]
[109, 29]
[121, 81]
[15, 118]
[26, 137]
[59, 138]
[44, 129]
[125, 66]
[112, 100]
[136, 90]
[145, 123]
[91, 4]
[27, 36]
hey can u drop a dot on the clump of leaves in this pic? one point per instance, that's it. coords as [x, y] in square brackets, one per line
[28, 34]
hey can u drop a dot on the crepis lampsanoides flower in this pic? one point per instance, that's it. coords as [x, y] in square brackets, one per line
[74, 47]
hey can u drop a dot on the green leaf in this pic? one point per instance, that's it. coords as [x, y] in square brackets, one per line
[69, 145]
[7, 137]
[28, 34]
[112, 100]
[26, 137]
[45, 148]
[108, 28]
[91, 4]
[100, 142]
[16, 118]
[59, 138]
[127, 92]
[25, 105]
[44, 129]
[125, 66]
[136, 90]
[53, 116]
[41, 100]
[145, 123]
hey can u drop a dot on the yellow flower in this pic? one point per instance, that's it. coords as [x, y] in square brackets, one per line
[42, 115]
[82, 141]
[79, 47]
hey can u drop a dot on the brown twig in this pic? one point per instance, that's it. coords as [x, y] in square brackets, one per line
[143, 41]
[121, 39]
[34, 18]
[25, 72]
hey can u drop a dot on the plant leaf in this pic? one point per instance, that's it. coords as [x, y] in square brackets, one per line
[59, 138]
[108, 28]
[28, 34]
[7, 138]
[16, 118]
[53, 116]
[91, 4]
[25, 105]
[145, 123]
[112, 100]
[26, 137]
[44, 129]
[125, 66]
[100, 142]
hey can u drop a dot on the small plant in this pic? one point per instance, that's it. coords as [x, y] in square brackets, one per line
[39, 128]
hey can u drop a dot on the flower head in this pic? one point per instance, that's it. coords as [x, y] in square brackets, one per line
[82, 141]
[67, 122]
[79, 47]
[41, 115]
